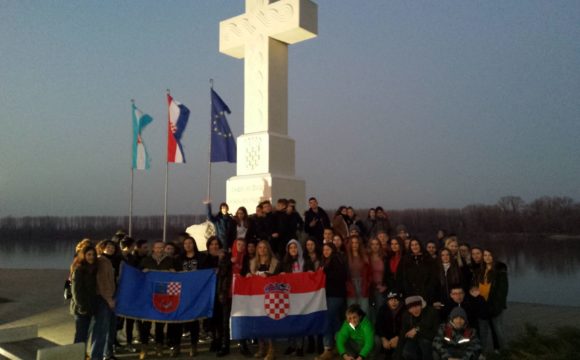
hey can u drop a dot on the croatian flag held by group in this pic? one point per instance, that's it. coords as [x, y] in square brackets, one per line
[284, 305]
[165, 296]
[178, 117]
[141, 159]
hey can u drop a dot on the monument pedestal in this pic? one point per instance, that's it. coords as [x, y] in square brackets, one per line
[265, 153]
[248, 190]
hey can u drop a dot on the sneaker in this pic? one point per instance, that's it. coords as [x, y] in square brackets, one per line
[326, 355]
[174, 351]
[143, 352]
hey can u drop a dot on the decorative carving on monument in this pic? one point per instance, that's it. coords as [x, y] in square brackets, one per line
[266, 17]
[278, 15]
[253, 151]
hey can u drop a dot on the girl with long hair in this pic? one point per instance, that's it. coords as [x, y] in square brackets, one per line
[418, 273]
[384, 240]
[448, 275]
[431, 248]
[476, 263]
[493, 286]
[242, 222]
[84, 291]
[340, 251]
[340, 222]
[216, 259]
[370, 223]
[378, 290]
[392, 278]
[294, 263]
[452, 243]
[264, 264]
[358, 284]
[312, 255]
[189, 260]
[336, 277]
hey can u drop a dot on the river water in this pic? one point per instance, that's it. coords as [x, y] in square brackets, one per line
[542, 270]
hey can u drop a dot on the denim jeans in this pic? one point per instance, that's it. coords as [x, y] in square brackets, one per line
[111, 336]
[376, 300]
[101, 329]
[493, 326]
[335, 309]
[82, 326]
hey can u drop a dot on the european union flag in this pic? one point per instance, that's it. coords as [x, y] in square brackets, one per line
[166, 296]
[223, 145]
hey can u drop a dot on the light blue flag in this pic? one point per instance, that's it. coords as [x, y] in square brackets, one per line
[141, 160]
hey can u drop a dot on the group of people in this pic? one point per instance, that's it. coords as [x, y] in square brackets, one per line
[388, 295]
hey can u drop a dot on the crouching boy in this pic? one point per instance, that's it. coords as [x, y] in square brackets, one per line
[355, 339]
[455, 339]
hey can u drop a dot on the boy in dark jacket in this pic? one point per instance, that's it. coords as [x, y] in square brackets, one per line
[156, 261]
[388, 324]
[455, 339]
[419, 326]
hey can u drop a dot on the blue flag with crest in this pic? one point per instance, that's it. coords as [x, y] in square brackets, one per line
[165, 296]
[223, 145]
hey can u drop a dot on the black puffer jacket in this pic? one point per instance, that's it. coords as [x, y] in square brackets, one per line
[497, 300]
[84, 291]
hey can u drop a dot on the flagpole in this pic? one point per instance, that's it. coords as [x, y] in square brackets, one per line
[208, 198]
[131, 206]
[131, 198]
[166, 180]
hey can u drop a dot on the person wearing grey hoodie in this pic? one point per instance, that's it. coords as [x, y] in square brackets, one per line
[294, 263]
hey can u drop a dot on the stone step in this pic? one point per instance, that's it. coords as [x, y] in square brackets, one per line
[23, 343]
[24, 349]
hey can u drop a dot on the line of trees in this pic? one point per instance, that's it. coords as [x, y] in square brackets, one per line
[511, 214]
[53, 228]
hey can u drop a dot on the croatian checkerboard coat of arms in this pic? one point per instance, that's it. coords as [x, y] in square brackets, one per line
[166, 296]
[277, 300]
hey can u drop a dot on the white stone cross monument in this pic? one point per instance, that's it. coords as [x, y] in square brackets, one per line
[266, 155]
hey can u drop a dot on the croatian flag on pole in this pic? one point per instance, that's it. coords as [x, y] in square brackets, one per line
[284, 305]
[178, 117]
[141, 159]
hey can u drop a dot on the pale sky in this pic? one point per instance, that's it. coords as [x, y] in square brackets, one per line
[396, 103]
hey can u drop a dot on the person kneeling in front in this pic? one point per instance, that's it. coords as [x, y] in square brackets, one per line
[456, 340]
[355, 339]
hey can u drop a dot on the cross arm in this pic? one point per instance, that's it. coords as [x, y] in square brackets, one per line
[289, 21]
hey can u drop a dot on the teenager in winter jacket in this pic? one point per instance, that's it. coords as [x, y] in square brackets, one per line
[455, 339]
[355, 339]
[388, 324]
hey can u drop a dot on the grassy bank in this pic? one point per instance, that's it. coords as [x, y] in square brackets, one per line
[562, 344]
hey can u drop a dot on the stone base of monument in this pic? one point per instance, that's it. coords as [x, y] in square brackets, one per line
[23, 343]
[249, 190]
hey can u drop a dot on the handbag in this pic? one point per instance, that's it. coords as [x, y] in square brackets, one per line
[67, 290]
